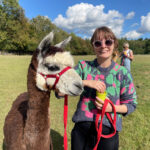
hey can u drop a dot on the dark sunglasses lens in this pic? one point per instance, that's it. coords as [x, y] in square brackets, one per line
[108, 42]
[97, 44]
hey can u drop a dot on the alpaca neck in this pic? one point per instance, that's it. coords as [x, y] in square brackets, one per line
[37, 98]
[37, 128]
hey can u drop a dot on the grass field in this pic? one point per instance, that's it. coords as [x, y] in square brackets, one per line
[136, 127]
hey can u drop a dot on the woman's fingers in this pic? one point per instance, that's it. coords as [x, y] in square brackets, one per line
[99, 100]
[98, 106]
[101, 87]
[99, 103]
[98, 85]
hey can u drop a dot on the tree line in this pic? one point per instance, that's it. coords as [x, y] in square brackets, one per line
[20, 34]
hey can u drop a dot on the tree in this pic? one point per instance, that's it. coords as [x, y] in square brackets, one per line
[147, 46]
[15, 25]
[3, 33]
[12, 9]
[41, 26]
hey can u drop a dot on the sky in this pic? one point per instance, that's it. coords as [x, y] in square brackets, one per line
[127, 18]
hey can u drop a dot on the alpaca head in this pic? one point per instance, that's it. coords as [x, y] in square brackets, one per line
[51, 61]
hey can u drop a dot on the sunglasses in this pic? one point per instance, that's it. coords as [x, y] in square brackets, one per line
[98, 44]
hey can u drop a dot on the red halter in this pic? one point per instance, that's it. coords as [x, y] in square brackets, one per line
[57, 76]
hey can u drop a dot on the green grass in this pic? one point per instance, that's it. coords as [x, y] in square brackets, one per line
[136, 127]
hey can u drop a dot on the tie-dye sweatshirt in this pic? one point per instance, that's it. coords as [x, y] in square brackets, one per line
[119, 86]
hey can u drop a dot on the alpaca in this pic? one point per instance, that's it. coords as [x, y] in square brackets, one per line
[27, 125]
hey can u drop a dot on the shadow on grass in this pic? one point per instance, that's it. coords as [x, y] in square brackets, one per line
[57, 140]
[3, 146]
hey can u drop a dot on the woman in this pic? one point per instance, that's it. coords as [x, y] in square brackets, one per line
[126, 56]
[102, 74]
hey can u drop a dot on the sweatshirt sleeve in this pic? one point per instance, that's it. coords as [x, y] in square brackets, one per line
[79, 68]
[128, 93]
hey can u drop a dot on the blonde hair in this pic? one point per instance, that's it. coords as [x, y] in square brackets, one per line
[126, 44]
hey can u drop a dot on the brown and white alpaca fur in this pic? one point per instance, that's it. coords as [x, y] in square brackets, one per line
[27, 125]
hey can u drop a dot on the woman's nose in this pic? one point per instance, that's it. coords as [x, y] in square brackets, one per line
[103, 44]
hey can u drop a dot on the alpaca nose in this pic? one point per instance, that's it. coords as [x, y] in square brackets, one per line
[76, 89]
[79, 86]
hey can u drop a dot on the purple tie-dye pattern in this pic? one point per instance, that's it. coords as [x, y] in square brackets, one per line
[84, 64]
[116, 67]
[102, 77]
[122, 90]
[119, 77]
[99, 77]
[118, 102]
[114, 85]
[89, 77]
[87, 107]
[126, 101]
[131, 88]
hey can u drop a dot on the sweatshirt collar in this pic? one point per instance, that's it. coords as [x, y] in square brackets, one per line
[104, 69]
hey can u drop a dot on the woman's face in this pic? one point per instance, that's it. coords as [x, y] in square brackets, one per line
[126, 48]
[103, 48]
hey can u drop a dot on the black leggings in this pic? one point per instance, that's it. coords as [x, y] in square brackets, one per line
[84, 137]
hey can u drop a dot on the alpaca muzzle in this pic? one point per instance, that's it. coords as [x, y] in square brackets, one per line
[57, 76]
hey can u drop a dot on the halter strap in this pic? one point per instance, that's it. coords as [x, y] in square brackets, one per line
[57, 76]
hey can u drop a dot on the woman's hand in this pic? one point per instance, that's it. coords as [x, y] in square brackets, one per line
[99, 105]
[98, 85]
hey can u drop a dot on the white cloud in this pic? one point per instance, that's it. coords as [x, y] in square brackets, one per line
[134, 24]
[132, 34]
[144, 28]
[145, 24]
[84, 18]
[130, 15]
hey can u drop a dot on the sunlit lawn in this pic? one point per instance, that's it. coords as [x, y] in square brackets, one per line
[136, 127]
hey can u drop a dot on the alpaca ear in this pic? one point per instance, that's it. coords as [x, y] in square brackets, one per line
[64, 43]
[46, 42]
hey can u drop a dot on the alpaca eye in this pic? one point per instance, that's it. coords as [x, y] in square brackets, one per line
[52, 68]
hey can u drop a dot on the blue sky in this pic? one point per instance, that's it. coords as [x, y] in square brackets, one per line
[127, 18]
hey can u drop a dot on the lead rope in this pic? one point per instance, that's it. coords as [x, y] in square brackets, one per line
[113, 122]
[57, 76]
[65, 121]
[99, 130]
